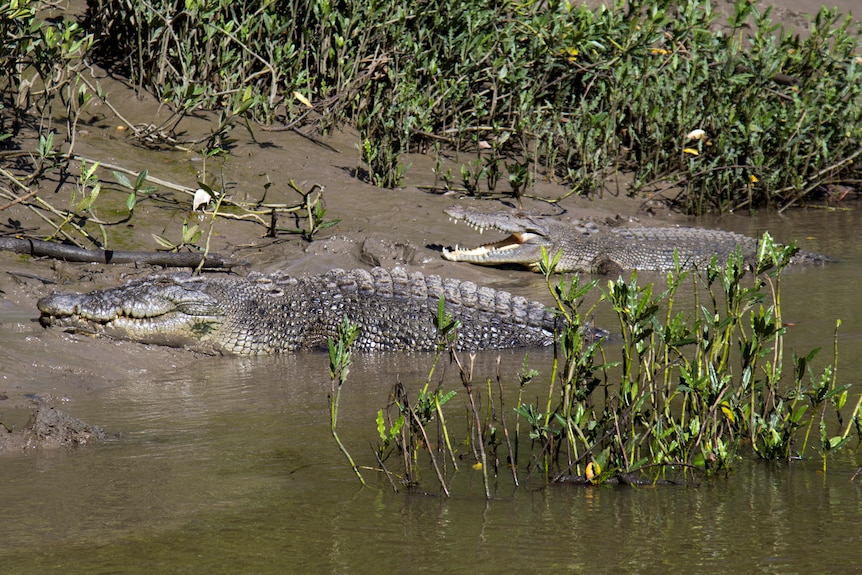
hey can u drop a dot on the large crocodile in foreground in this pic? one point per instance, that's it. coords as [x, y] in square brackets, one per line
[279, 313]
[598, 248]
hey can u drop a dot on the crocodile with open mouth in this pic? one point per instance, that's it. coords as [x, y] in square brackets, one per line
[587, 246]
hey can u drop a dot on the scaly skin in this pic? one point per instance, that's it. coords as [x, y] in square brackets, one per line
[278, 313]
[598, 248]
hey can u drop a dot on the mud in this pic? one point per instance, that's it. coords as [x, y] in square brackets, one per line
[46, 427]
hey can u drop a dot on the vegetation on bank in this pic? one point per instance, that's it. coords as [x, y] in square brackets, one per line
[673, 395]
[730, 110]
[44, 92]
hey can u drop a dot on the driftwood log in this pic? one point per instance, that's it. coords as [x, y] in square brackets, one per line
[39, 248]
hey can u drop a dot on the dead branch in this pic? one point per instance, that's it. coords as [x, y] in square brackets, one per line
[39, 248]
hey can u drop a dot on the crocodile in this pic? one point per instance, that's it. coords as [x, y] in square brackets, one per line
[588, 246]
[263, 314]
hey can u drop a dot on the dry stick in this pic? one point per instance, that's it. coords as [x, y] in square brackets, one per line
[149, 178]
[39, 248]
[505, 429]
[430, 454]
[45, 205]
[848, 159]
[189, 191]
[18, 199]
[467, 380]
[385, 471]
[112, 108]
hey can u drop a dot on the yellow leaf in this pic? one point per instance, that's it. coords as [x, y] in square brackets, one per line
[302, 99]
[725, 409]
[753, 179]
[572, 53]
[691, 151]
[477, 466]
[593, 470]
[658, 51]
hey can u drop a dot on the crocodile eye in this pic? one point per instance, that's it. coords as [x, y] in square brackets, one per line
[276, 292]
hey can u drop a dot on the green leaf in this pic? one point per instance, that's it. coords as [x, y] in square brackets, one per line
[396, 427]
[142, 177]
[89, 172]
[164, 242]
[381, 425]
[122, 179]
[86, 203]
[327, 224]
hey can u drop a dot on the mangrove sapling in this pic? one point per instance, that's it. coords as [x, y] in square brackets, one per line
[681, 401]
[512, 457]
[189, 236]
[467, 382]
[577, 377]
[418, 430]
[89, 187]
[408, 431]
[818, 392]
[471, 174]
[315, 212]
[692, 388]
[134, 189]
[447, 337]
[525, 376]
[219, 198]
[339, 366]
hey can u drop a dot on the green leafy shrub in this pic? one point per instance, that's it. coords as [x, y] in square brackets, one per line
[692, 389]
[568, 92]
[40, 61]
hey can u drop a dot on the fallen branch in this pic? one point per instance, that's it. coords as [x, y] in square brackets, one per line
[39, 248]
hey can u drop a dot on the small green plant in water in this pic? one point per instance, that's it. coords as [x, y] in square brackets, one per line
[339, 366]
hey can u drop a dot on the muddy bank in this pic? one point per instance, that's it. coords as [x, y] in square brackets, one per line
[46, 427]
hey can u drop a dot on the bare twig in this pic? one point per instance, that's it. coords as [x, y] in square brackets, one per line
[512, 462]
[19, 199]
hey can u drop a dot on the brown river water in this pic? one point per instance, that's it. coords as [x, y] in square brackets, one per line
[226, 465]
